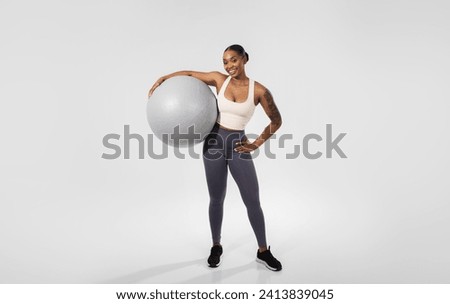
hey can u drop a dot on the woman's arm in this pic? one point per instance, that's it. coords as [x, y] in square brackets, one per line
[266, 100]
[210, 78]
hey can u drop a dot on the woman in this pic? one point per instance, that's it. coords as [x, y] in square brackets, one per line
[227, 147]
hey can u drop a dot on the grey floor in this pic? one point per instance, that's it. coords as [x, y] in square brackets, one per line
[114, 239]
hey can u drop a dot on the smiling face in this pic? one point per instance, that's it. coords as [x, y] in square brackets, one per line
[233, 63]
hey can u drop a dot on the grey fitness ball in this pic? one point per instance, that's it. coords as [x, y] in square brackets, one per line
[182, 111]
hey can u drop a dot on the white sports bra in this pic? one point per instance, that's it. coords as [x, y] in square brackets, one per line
[235, 115]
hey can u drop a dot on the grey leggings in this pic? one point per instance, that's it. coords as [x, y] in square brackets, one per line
[218, 156]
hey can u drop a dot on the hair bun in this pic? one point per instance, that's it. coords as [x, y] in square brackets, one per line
[239, 49]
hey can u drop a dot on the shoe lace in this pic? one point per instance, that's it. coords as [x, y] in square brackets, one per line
[215, 250]
[270, 257]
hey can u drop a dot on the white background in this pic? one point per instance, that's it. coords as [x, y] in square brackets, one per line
[72, 72]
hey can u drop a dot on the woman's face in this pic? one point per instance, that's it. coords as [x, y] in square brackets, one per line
[233, 63]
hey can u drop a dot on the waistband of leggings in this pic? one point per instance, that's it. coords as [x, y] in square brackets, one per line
[224, 130]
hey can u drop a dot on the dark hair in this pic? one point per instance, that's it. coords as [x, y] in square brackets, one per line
[238, 49]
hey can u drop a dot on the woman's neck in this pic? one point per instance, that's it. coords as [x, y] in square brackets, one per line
[240, 79]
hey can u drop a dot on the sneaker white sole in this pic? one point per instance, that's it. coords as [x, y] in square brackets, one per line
[265, 264]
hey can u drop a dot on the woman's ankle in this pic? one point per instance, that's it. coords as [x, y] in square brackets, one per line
[262, 249]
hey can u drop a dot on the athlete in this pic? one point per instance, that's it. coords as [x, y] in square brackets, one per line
[228, 148]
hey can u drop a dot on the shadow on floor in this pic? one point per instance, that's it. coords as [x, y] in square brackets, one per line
[254, 274]
[151, 272]
[251, 272]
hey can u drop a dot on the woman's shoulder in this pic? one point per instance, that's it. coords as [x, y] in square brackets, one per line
[218, 75]
[260, 89]
[219, 78]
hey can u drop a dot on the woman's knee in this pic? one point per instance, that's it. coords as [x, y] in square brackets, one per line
[252, 203]
[216, 200]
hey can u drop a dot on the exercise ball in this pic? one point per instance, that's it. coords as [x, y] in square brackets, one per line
[182, 111]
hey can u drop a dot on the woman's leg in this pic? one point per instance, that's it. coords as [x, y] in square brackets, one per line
[216, 176]
[243, 171]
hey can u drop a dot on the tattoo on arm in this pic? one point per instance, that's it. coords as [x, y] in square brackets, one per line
[275, 118]
[273, 112]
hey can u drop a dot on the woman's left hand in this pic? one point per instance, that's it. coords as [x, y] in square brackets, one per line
[245, 147]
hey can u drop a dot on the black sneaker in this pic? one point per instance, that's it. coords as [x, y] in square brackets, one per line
[266, 258]
[214, 257]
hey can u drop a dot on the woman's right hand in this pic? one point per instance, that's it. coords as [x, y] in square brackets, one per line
[155, 85]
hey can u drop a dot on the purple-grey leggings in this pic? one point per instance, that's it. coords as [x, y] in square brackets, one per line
[218, 156]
